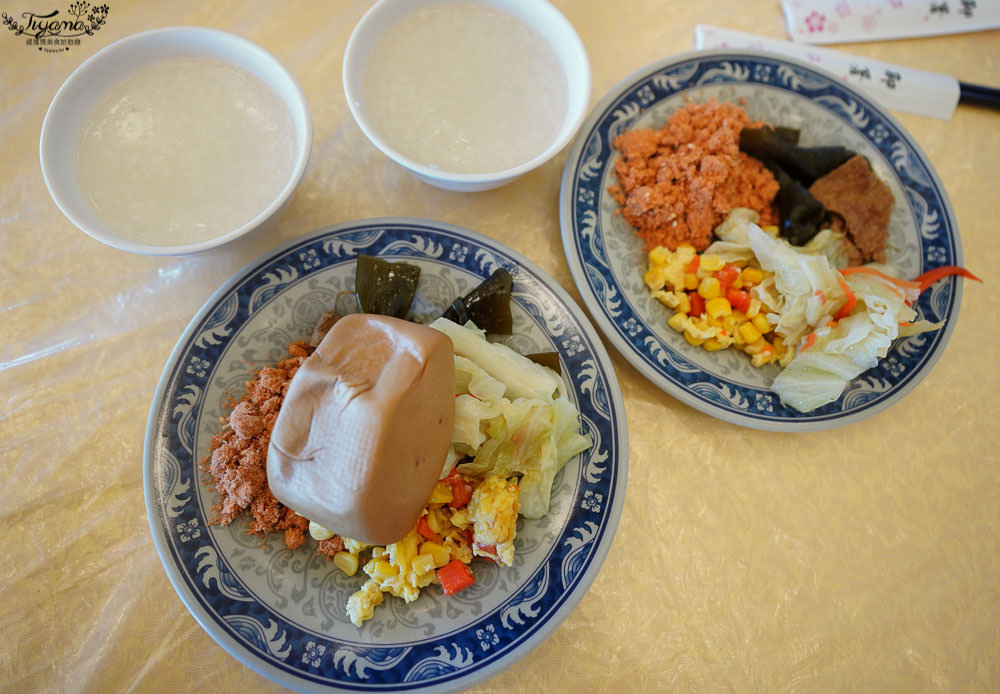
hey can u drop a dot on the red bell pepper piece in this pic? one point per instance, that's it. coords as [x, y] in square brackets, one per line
[739, 299]
[697, 304]
[455, 576]
[726, 276]
[424, 528]
[461, 490]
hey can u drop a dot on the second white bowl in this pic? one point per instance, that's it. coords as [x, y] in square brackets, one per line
[385, 15]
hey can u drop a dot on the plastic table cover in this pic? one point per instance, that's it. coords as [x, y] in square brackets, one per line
[865, 558]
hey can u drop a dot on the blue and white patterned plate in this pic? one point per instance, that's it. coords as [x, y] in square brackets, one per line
[607, 259]
[282, 612]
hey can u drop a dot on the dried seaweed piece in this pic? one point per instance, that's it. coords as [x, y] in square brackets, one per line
[804, 164]
[801, 213]
[385, 288]
[789, 135]
[487, 305]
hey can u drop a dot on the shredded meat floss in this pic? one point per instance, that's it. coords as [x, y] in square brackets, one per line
[237, 463]
[676, 184]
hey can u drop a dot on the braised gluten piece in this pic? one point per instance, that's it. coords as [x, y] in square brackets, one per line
[858, 205]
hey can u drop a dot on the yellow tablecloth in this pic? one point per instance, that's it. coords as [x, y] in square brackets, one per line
[863, 559]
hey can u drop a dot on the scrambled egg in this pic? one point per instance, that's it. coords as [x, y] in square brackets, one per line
[485, 527]
[493, 511]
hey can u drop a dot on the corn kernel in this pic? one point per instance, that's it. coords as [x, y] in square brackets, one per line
[783, 353]
[696, 341]
[718, 307]
[713, 344]
[346, 562]
[752, 275]
[434, 520]
[678, 321]
[380, 569]
[686, 253]
[439, 553]
[318, 532]
[674, 300]
[460, 518]
[659, 255]
[754, 307]
[730, 323]
[761, 323]
[684, 303]
[756, 346]
[710, 262]
[749, 332]
[655, 277]
[691, 281]
[762, 357]
[441, 493]
[423, 564]
[709, 288]
[700, 329]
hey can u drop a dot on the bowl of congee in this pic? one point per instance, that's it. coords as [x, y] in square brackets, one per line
[467, 95]
[175, 140]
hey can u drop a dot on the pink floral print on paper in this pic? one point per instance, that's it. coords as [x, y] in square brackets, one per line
[815, 21]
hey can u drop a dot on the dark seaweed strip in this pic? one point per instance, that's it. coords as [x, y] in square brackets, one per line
[385, 288]
[789, 135]
[804, 164]
[487, 305]
[800, 212]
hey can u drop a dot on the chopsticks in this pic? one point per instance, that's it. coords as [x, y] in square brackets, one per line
[978, 95]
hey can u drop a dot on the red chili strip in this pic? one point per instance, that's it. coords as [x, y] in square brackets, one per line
[931, 276]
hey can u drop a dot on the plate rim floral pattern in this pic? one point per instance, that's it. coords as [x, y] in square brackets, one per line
[585, 232]
[256, 633]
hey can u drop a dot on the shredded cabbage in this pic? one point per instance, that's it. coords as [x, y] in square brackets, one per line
[732, 243]
[820, 370]
[511, 417]
[804, 289]
[805, 295]
[521, 376]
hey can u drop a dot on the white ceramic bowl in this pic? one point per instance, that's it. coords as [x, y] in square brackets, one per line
[92, 80]
[538, 14]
